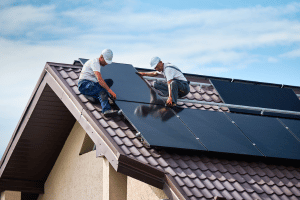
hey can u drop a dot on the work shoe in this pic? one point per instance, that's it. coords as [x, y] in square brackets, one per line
[110, 113]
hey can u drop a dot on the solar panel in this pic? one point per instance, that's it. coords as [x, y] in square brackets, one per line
[128, 85]
[159, 125]
[248, 94]
[82, 60]
[293, 125]
[269, 135]
[217, 132]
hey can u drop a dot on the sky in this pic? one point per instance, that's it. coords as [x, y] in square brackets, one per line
[249, 40]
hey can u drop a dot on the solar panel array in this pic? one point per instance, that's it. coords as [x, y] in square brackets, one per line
[196, 129]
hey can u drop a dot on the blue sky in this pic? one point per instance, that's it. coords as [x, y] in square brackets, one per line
[250, 40]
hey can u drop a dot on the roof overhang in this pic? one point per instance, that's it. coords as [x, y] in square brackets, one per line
[52, 110]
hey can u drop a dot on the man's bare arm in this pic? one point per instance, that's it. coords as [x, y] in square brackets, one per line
[104, 85]
[170, 100]
[148, 73]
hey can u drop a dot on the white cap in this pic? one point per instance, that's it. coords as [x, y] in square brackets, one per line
[154, 61]
[107, 55]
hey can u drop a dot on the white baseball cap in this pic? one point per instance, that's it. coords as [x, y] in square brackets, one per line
[154, 61]
[107, 55]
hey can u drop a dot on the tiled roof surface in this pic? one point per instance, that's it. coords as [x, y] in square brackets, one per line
[199, 176]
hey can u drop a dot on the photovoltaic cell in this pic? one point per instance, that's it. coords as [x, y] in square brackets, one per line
[159, 126]
[127, 84]
[269, 135]
[83, 60]
[248, 94]
[217, 132]
[293, 125]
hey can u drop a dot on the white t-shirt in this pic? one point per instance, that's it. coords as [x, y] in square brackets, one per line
[171, 73]
[88, 69]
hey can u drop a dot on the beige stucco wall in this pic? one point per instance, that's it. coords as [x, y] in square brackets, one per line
[86, 177]
[137, 190]
[75, 176]
[10, 195]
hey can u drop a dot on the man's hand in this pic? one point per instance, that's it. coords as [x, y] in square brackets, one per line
[113, 95]
[170, 101]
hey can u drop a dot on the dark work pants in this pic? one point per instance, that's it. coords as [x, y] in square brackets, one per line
[95, 90]
[178, 88]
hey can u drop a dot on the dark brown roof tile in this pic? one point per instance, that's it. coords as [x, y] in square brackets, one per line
[229, 177]
[152, 161]
[236, 195]
[128, 142]
[198, 183]
[268, 172]
[201, 165]
[118, 140]
[287, 182]
[188, 182]
[137, 143]
[200, 174]
[196, 192]
[64, 74]
[277, 181]
[181, 183]
[267, 189]
[247, 187]
[257, 188]
[185, 189]
[73, 75]
[75, 89]
[277, 190]
[103, 123]
[295, 191]
[170, 171]
[71, 82]
[296, 174]
[226, 194]
[206, 193]
[129, 133]
[286, 191]
[287, 174]
[267, 180]
[125, 149]
[184, 165]
[134, 151]
[228, 186]
[142, 159]
[208, 184]
[238, 187]
[245, 195]
[111, 131]
[190, 173]
[97, 115]
[218, 184]
[249, 179]
[209, 175]
[238, 178]
[154, 153]
[118, 131]
[296, 182]
[278, 173]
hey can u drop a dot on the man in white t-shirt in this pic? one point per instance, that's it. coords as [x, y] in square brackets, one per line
[92, 85]
[176, 85]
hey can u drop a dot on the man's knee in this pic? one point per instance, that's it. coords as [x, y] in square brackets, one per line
[109, 82]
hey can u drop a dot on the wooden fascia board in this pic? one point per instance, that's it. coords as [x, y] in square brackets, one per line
[22, 186]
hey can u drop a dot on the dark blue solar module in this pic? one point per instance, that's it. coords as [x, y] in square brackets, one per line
[128, 85]
[83, 60]
[293, 125]
[217, 132]
[269, 135]
[249, 94]
[159, 126]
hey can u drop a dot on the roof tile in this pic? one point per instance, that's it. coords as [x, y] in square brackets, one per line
[71, 82]
[200, 174]
[198, 183]
[208, 184]
[134, 151]
[127, 142]
[103, 123]
[188, 182]
[73, 75]
[295, 191]
[152, 161]
[206, 193]
[97, 115]
[238, 187]
[117, 140]
[277, 190]
[110, 131]
[286, 191]
[137, 143]
[228, 186]
[218, 185]
[185, 189]
[190, 173]
[64, 74]
[142, 159]
[226, 194]
[125, 149]
[130, 134]
[170, 171]
[119, 131]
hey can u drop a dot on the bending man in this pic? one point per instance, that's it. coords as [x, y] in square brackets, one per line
[91, 83]
[176, 85]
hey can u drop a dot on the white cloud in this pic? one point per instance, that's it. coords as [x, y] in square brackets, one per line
[272, 60]
[292, 54]
[19, 18]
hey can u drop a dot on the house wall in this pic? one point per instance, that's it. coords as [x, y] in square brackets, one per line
[86, 177]
[75, 176]
[137, 190]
